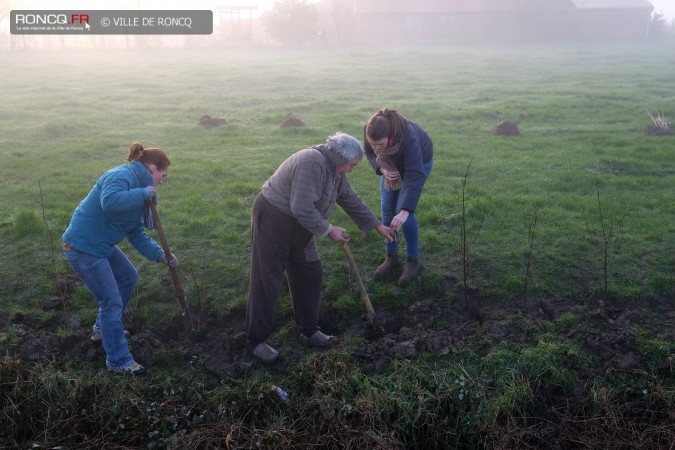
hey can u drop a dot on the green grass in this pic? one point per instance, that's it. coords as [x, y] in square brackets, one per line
[582, 115]
[65, 119]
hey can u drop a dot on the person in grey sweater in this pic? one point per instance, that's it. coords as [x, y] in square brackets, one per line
[291, 211]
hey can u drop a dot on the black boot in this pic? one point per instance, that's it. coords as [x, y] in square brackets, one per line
[413, 266]
[386, 267]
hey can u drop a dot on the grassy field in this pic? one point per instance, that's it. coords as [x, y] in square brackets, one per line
[583, 164]
[65, 119]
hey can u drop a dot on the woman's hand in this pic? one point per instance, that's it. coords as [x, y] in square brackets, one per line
[173, 262]
[152, 192]
[391, 175]
[399, 219]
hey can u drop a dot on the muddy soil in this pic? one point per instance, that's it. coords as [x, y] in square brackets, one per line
[605, 331]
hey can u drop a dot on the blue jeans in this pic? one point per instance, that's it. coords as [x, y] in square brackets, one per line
[112, 281]
[390, 202]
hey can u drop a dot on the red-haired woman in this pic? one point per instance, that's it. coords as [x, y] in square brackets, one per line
[116, 208]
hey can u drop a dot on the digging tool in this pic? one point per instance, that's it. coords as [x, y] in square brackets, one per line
[187, 317]
[374, 319]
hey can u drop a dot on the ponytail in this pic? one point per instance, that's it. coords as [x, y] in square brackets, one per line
[135, 151]
[148, 156]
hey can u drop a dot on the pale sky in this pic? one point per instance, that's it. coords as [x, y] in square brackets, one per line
[665, 7]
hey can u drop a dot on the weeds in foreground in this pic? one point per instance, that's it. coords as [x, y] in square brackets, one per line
[512, 398]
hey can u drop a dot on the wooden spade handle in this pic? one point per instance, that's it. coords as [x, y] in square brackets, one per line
[362, 287]
[174, 272]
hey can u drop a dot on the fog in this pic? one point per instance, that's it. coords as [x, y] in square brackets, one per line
[368, 23]
[665, 7]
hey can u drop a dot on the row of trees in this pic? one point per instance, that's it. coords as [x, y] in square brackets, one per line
[295, 22]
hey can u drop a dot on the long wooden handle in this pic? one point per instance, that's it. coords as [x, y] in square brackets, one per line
[174, 272]
[362, 287]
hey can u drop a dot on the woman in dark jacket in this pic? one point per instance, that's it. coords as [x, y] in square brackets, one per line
[401, 152]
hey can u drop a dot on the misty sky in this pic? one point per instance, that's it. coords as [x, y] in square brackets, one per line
[665, 7]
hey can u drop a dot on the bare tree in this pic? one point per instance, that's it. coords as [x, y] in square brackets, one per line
[343, 19]
[291, 22]
[610, 234]
[529, 253]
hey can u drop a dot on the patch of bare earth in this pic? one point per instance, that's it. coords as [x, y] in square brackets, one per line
[428, 325]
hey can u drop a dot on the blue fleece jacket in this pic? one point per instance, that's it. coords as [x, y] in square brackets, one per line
[113, 210]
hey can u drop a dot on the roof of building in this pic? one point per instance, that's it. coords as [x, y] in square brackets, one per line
[478, 6]
[613, 4]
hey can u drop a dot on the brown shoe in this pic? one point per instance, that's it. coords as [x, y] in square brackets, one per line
[413, 266]
[386, 267]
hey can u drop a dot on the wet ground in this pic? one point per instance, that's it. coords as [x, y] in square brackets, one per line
[607, 331]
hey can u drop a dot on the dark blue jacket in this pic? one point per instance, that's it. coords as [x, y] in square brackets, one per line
[415, 150]
[113, 210]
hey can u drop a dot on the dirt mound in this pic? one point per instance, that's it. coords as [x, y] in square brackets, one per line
[291, 121]
[506, 128]
[658, 131]
[211, 121]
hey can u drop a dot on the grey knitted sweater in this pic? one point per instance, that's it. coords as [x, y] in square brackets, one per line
[307, 187]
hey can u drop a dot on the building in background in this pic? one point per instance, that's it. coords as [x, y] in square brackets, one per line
[612, 19]
[382, 22]
[387, 22]
[234, 24]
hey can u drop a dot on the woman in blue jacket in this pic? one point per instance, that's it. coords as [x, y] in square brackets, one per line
[116, 208]
[401, 152]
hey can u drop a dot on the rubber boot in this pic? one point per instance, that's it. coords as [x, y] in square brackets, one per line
[318, 339]
[265, 353]
[413, 266]
[386, 267]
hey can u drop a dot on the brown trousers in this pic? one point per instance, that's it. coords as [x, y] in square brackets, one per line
[279, 244]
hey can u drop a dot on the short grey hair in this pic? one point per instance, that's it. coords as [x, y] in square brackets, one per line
[346, 146]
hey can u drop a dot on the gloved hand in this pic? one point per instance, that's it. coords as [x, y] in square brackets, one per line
[172, 263]
[152, 192]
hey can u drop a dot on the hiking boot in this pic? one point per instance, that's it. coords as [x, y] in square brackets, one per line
[265, 353]
[133, 369]
[96, 337]
[386, 267]
[318, 339]
[413, 266]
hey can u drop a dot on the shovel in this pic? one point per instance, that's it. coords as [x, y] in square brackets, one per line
[187, 317]
[375, 320]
